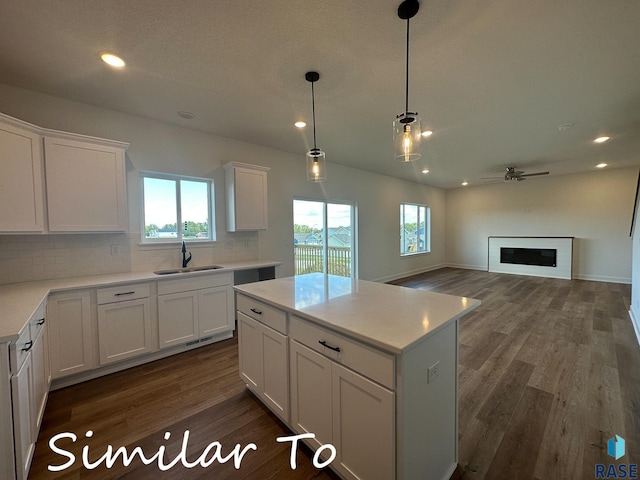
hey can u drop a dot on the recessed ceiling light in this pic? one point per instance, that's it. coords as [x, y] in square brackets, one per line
[113, 60]
[465, 183]
[186, 115]
[300, 124]
[601, 165]
[601, 139]
[427, 133]
[425, 170]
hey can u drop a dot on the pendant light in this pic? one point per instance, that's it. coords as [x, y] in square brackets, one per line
[407, 137]
[316, 159]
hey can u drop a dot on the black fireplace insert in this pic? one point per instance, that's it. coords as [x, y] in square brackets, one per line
[544, 257]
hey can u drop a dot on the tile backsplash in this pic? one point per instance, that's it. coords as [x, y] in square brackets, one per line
[25, 258]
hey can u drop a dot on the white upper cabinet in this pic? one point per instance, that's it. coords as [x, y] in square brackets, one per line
[246, 194]
[21, 183]
[84, 179]
[86, 185]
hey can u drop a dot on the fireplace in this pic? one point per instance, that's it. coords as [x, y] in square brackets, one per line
[536, 256]
[543, 257]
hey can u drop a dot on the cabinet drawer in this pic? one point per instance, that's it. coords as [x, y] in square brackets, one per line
[37, 321]
[20, 350]
[123, 293]
[197, 282]
[365, 360]
[274, 318]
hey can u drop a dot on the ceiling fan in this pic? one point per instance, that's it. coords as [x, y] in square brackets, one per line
[518, 175]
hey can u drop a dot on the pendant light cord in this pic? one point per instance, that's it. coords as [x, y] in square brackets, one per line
[406, 98]
[313, 109]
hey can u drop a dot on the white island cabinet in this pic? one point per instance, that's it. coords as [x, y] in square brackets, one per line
[372, 371]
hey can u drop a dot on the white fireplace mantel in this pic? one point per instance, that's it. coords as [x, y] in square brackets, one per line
[562, 245]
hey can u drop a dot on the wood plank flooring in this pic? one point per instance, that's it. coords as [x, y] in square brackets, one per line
[549, 371]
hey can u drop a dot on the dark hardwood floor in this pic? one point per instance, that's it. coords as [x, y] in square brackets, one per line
[549, 371]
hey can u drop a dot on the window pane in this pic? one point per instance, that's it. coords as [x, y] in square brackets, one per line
[194, 205]
[160, 215]
[422, 215]
[308, 235]
[339, 239]
[414, 229]
[408, 232]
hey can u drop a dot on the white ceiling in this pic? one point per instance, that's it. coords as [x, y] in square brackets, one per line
[493, 79]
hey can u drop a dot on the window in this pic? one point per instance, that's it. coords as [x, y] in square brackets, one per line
[169, 201]
[415, 229]
[324, 237]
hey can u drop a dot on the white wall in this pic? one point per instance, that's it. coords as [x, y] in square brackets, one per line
[595, 207]
[160, 147]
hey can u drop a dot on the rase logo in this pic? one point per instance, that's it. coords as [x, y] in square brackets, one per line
[616, 449]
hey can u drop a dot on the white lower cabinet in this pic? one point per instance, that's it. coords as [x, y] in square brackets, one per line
[23, 420]
[177, 318]
[264, 363]
[29, 357]
[124, 322]
[194, 308]
[70, 332]
[41, 376]
[345, 409]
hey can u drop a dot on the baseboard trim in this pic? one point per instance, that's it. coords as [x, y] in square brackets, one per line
[635, 321]
[591, 278]
[390, 278]
[602, 278]
[467, 267]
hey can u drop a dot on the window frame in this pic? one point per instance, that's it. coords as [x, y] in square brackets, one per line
[177, 179]
[325, 233]
[427, 228]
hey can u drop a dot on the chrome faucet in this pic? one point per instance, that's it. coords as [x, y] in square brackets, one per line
[185, 260]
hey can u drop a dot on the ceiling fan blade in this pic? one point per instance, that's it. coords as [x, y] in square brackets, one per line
[534, 174]
[501, 177]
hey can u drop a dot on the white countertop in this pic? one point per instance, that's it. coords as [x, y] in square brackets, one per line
[19, 301]
[390, 317]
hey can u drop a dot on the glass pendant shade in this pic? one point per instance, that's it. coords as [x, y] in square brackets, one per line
[316, 165]
[407, 137]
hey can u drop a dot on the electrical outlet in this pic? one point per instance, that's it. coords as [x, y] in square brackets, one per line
[433, 371]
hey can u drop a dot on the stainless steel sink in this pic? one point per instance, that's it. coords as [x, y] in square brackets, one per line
[187, 270]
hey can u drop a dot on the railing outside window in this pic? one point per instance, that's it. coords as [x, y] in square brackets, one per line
[308, 259]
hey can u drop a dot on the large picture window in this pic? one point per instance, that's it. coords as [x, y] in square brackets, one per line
[415, 229]
[176, 208]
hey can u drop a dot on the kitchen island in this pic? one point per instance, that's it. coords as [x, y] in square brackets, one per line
[368, 368]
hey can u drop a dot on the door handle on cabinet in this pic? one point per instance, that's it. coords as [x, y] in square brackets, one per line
[257, 312]
[27, 346]
[325, 344]
[124, 293]
[40, 322]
